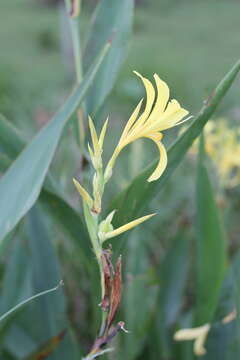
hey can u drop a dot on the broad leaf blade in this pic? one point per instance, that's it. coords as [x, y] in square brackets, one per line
[20, 186]
[112, 21]
[139, 193]
[51, 195]
[211, 252]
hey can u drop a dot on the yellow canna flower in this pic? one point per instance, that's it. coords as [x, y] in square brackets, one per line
[110, 234]
[199, 334]
[157, 116]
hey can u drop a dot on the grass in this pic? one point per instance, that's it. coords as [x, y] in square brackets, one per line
[186, 43]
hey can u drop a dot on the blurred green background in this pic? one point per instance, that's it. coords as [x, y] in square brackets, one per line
[191, 45]
[188, 43]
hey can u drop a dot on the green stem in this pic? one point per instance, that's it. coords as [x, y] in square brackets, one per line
[103, 324]
[92, 225]
[74, 24]
[76, 43]
[74, 27]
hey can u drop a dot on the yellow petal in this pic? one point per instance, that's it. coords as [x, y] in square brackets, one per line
[94, 137]
[102, 134]
[174, 120]
[191, 333]
[150, 97]
[161, 101]
[167, 122]
[126, 227]
[172, 107]
[162, 161]
[199, 348]
[199, 334]
[131, 120]
[84, 194]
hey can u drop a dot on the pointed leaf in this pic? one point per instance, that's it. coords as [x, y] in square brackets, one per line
[20, 186]
[211, 252]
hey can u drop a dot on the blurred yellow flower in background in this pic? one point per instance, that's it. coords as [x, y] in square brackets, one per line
[198, 334]
[158, 115]
[222, 144]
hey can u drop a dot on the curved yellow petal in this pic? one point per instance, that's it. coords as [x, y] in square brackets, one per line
[158, 121]
[150, 97]
[161, 101]
[163, 158]
[173, 120]
[172, 107]
[198, 334]
[167, 121]
[131, 120]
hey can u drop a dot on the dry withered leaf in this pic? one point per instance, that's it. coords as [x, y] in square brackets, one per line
[116, 293]
[48, 348]
[107, 272]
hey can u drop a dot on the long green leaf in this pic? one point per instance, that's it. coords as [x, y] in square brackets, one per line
[51, 195]
[20, 186]
[112, 21]
[139, 193]
[211, 252]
